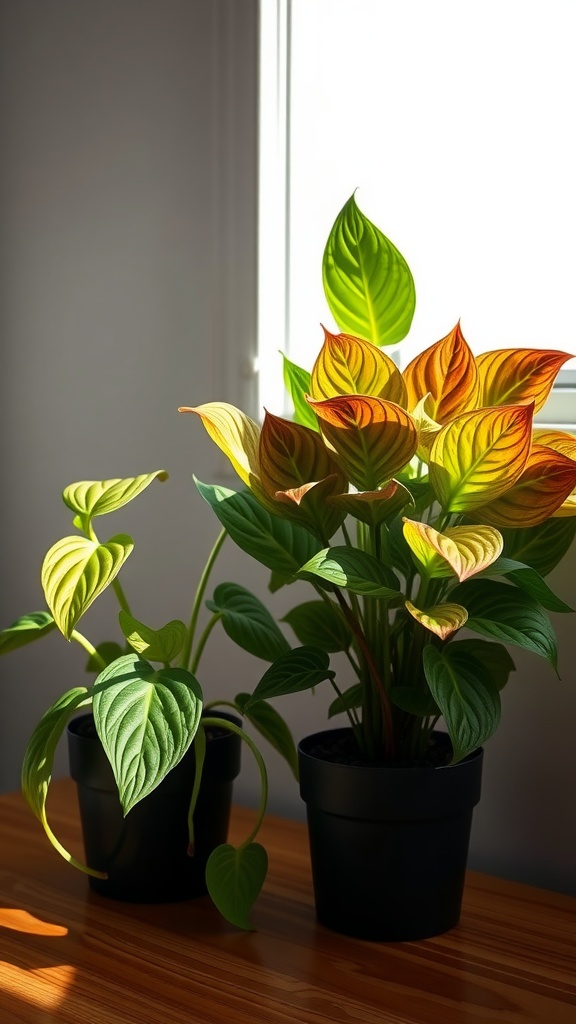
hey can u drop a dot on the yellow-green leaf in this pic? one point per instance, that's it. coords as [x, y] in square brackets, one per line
[459, 550]
[91, 498]
[75, 571]
[479, 455]
[447, 372]
[441, 619]
[426, 426]
[509, 376]
[350, 366]
[162, 644]
[235, 434]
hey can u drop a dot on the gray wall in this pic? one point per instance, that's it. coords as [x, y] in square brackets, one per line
[127, 284]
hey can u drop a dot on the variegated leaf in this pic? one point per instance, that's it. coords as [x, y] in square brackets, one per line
[441, 619]
[350, 366]
[373, 439]
[311, 506]
[91, 498]
[509, 376]
[75, 571]
[460, 550]
[447, 372]
[235, 434]
[479, 455]
[545, 488]
[291, 455]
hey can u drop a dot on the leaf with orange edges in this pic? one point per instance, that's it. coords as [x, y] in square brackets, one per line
[291, 455]
[373, 439]
[311, 506]
[441, 619]
[459, 550]
[375, 507]
[351, 366]
[479, 455]
[235, 434]
[446, 370]
[509, 376]
[544, 488]
[559, 440]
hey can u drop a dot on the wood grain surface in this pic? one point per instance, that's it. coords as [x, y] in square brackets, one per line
[72, 957]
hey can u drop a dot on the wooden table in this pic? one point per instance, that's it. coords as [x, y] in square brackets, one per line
[67, 955]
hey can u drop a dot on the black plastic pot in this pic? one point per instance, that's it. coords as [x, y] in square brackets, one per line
[145, 854]
[388, 845]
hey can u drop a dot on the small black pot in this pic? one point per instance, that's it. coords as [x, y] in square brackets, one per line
[145, 854]
[388, 844]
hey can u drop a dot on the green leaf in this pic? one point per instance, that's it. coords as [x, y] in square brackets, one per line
[75, 571]
[367, 282]
[500, 611]
[297, 383]
[352, 570]
[320, 624]
[492, 657]
[146, 721]
[527, 579]
[162, 644]
[234, 878]
[248, 622]
[467, 697]
[91, 498]
[39, 759]
[108, 650]
[415, 702]
[541, 547]
[300, 669]
[277, 543]
[347, 701]
[25, 630]
[271, 726]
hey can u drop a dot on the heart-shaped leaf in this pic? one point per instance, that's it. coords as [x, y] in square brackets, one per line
[367, 282]
[146, 721]
[547, 481]
[234, 878]
[510, 376]
[75, 571]
[351, 366]
[162, 644]
[279, 544]
[291, 455]
[25, 630]
[235, 434]
[271, 726]
[352, 570]
[441, 619]
[477, 456]
[493, 659]
[446, 372]
[300, 669]
[462, 550]
[91, 498]
[467, 697]
[320, 624]
[297, 383]
[248, 622]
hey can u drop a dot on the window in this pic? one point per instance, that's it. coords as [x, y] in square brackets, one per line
[453, 120]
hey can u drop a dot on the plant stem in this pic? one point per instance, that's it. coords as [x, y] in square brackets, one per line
[122, 600]
[223, 723]
[85, 643]
[187, 652]
[202, 641]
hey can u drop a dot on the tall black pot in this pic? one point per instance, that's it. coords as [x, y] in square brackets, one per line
[145, 854]
[388, 845]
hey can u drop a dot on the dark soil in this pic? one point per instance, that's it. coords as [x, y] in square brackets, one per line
[343, 749]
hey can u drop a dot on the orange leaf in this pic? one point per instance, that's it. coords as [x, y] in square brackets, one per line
[480, 455]
[374, 507]
[559, 440]
[311, 506]
[510, 376]
[448, 371]
[543, 488]
[373, 439]
[291, 455]
[235, 434]
[441, 619]
[351, 366]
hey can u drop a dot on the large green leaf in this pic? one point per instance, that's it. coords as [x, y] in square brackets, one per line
[320, 624]
[234, 877]
[271, 726]
[367, 282]
[39, 759]
[297, 383]
[277, 543]
[493, 657]
[146, 721]
[75, 571]
[162, 644]
[527, 579]
[248, 622]
[466, 695]
[352, 570]
[90, 498]
[542, 547]
[415, 702]
[25, 630]
[301, 669]
[500, 611]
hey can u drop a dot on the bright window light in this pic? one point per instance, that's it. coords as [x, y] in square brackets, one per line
[453, 121]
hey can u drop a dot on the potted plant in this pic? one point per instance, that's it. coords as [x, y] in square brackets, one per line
[417, 504]
[153, 762]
